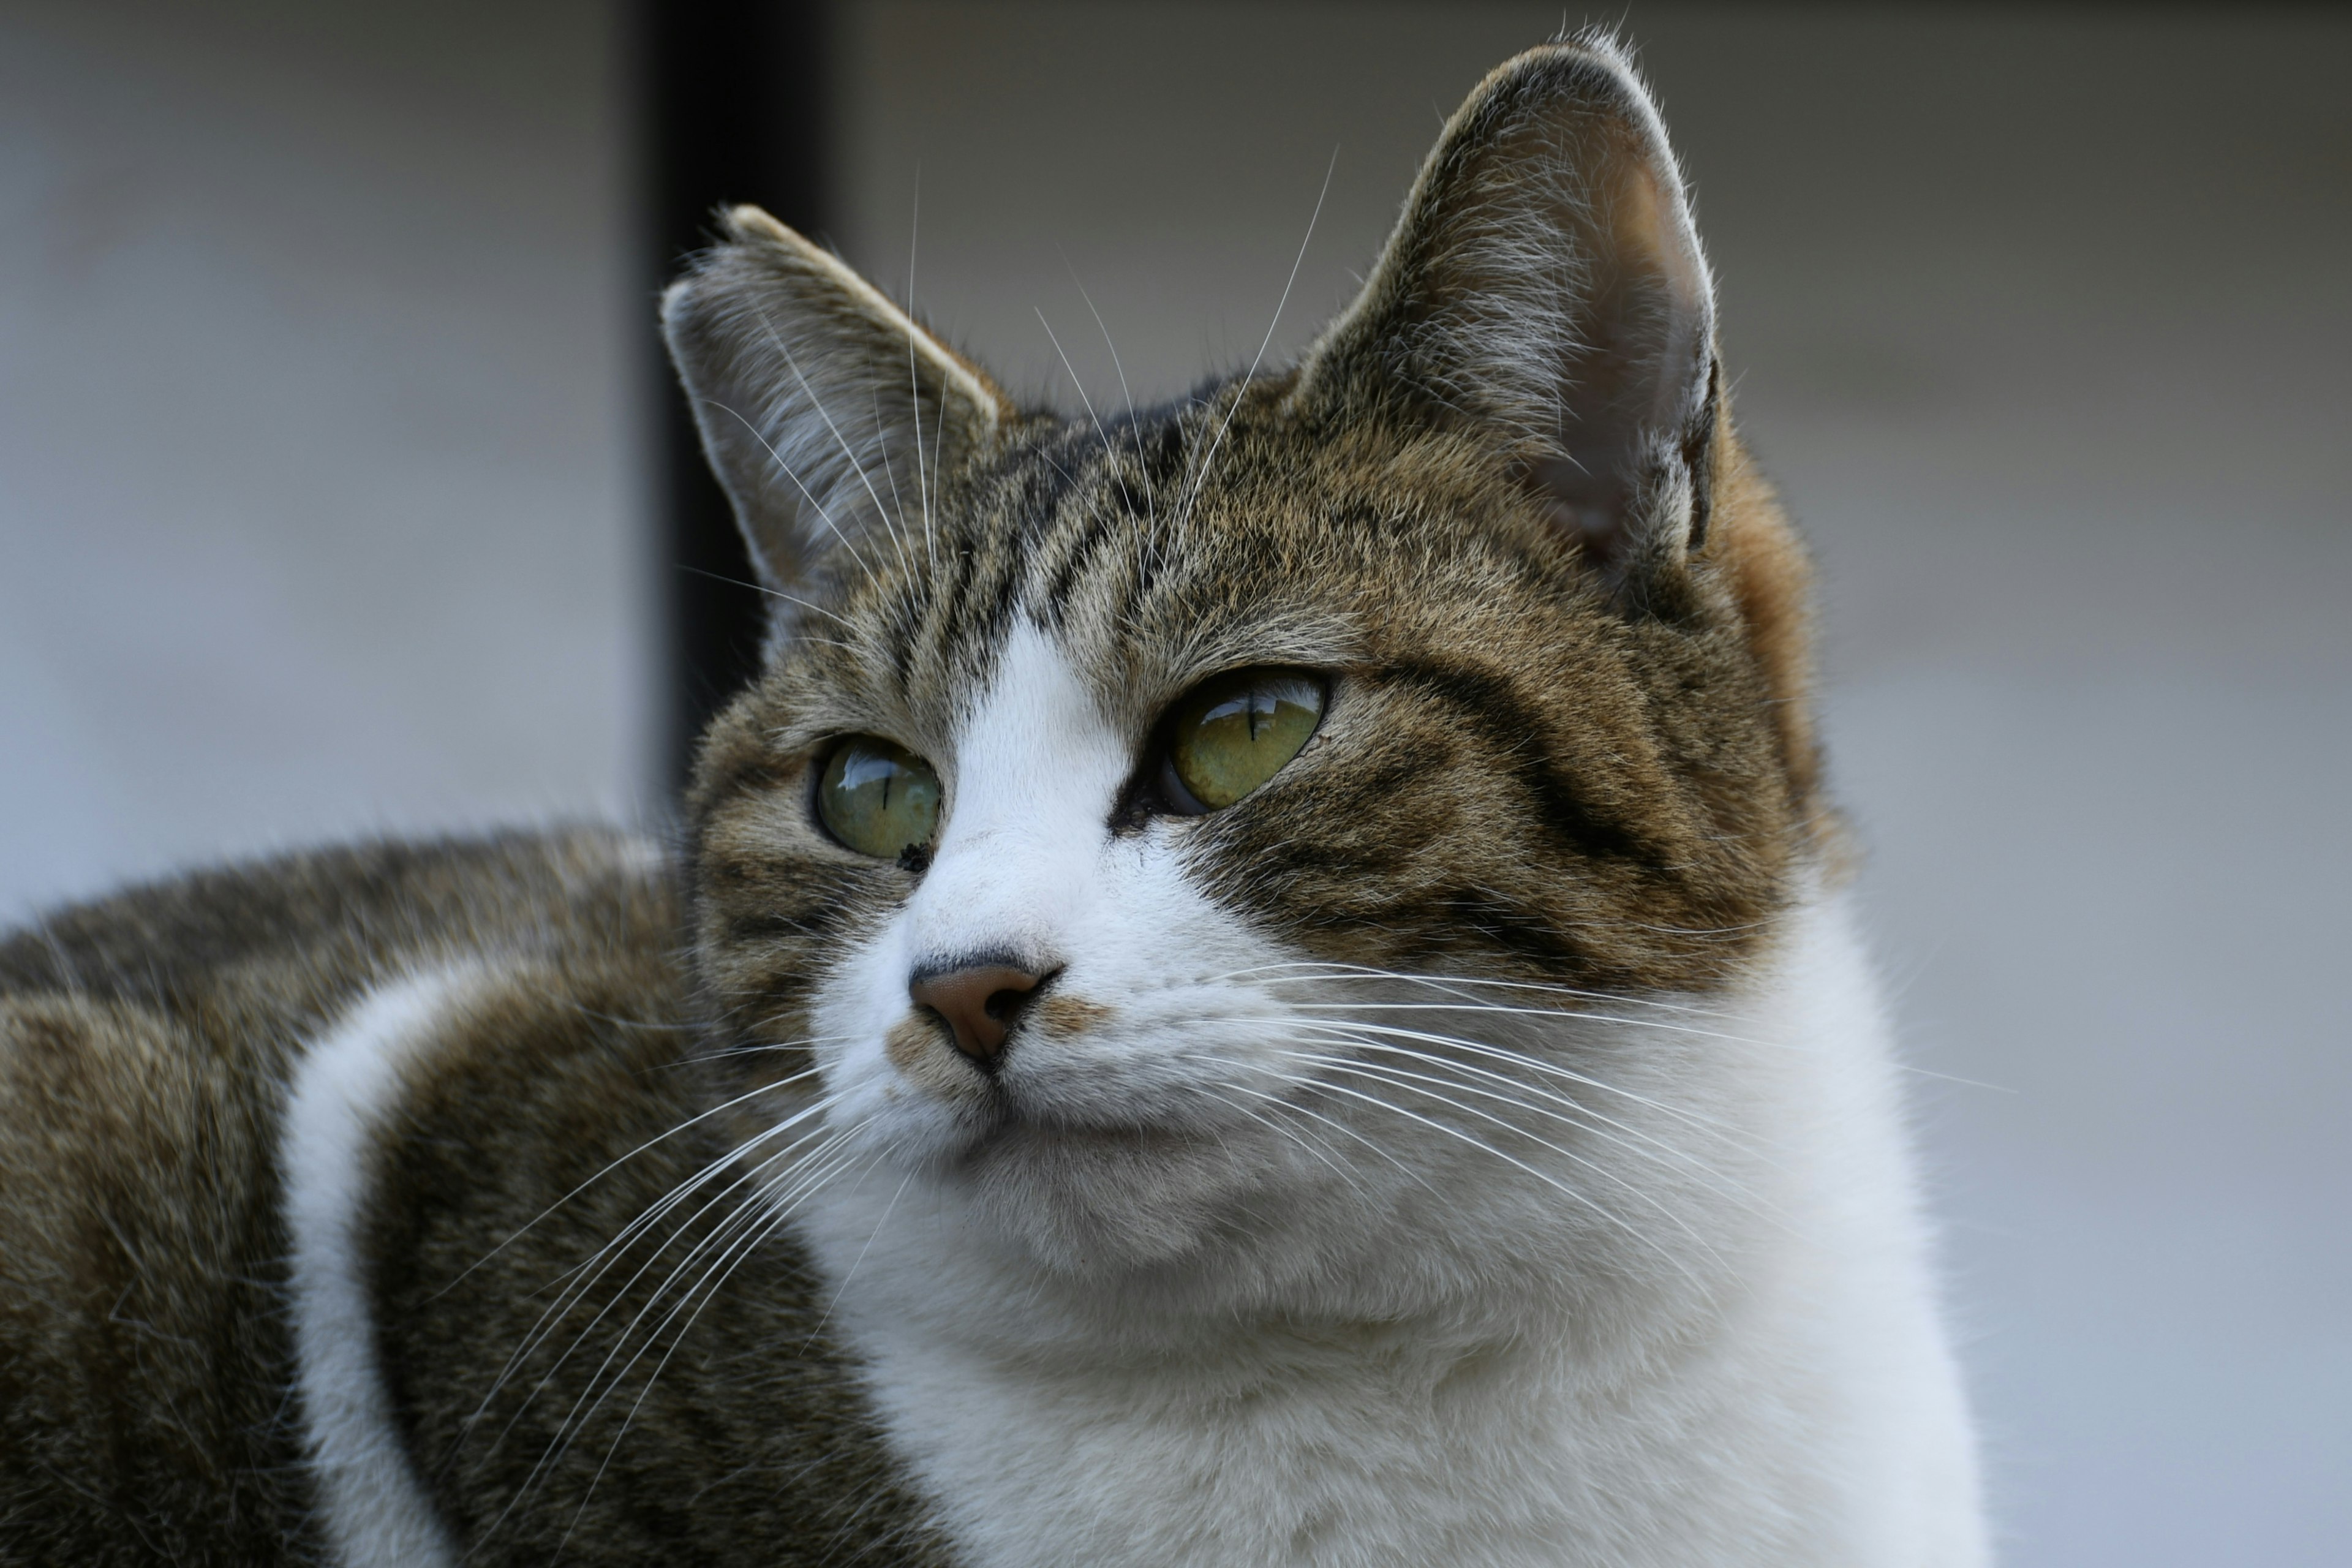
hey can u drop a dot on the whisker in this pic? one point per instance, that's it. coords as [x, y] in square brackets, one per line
[1634, 1142]
[848, 451]
[826, 1316]
[749, 1218]
[1549, 1181]
[1331, 970]
[1152, 505]
[806, 494]
[914, 382]
[1110, 458]
[1192, 493]
[1319, 1150]
[714, 1279]
[1403, 1078]
[614, 1166]
[1534, 1064]
[585, 1276]
[772, 594]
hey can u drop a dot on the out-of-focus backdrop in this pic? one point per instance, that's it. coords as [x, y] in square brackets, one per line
[329, 456]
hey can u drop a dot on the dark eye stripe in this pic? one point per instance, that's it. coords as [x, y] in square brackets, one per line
[1081, 555]
[1507, 726]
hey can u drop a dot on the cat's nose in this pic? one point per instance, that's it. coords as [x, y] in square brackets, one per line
[979, 1002]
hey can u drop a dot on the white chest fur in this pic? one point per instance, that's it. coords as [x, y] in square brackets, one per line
[1802, 1408]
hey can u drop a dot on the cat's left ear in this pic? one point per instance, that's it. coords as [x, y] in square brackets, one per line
[1545, 286]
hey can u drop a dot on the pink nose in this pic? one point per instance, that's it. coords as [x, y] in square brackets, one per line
[979, 1004]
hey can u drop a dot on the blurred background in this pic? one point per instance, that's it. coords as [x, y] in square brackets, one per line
[341, 490]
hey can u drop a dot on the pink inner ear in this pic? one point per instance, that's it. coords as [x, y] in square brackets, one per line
[1637, 370]
[1656, 260]
[1589, 505]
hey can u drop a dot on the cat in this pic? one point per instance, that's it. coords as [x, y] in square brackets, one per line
[1267, 981]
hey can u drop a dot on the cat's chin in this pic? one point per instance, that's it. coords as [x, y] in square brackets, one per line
[1091, 1200]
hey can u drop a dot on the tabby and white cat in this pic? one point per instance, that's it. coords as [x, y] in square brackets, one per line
[1264, 981]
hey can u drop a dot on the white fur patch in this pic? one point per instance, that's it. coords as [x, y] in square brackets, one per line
[375, 1510]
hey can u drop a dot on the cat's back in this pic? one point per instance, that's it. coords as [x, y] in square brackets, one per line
[147, 1041]
[287, 935]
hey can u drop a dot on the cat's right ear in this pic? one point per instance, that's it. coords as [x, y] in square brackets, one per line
[829, 415]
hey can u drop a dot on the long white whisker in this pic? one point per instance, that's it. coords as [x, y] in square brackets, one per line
[889, 468]
[585, 1276]
[1555, 1184]
[1150, 504]
[656, 1212]
[1110, 458]
[1352, 972]
[749, 1218]
[1419, 1082]
[614, 1166]
[1192, 493]
[1332, 969]
[1320, 1151]
[1532, 1064]
[914, 382]
[1282, 1103]
[714, 1279]
[834, 1300]
[552, 1452]
[1586, 1120]
[771, 592]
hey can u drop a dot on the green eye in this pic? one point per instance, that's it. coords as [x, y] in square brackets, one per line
[877, 798]
[1237, 730]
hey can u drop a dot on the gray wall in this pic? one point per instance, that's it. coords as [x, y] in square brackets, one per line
[318, 505]
[319, 511]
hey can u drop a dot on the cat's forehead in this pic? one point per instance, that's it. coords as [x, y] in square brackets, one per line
[1156, 551]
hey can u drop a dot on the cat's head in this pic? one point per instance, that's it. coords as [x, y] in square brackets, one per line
[1150, 825]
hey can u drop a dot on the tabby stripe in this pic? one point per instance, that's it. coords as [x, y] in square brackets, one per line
[1081, 553]
[1505, 723]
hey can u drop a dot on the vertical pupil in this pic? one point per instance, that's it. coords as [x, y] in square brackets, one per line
[1238, 732]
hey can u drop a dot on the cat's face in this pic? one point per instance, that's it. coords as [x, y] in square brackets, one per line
[1272, 806]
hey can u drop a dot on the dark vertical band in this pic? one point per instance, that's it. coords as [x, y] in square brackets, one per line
[735, 100]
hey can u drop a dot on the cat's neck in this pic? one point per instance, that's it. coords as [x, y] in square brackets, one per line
[1040, 1413]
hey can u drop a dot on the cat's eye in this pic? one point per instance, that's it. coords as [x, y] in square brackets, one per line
[1236, 731]
[878, 798]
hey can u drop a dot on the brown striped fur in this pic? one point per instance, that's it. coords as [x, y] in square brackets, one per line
[145, 1414]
